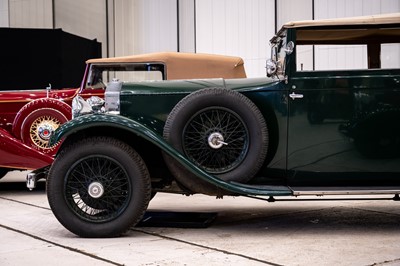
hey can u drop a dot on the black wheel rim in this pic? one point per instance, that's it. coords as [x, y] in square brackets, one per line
[97, 189]
[204, 128]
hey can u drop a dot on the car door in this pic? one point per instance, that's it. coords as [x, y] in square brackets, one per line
[344, 128]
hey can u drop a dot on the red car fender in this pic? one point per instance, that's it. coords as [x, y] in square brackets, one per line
[17, 155]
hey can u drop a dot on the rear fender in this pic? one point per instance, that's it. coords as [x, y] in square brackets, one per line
[100, 120]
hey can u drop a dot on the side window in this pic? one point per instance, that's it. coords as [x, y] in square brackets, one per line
[357, 49]
[331, 57]
[304, 57]
[390, 55]
[341, 57]
[101, 74]
[132, 75]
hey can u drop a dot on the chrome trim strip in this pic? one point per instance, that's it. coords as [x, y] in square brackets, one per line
[348, 191]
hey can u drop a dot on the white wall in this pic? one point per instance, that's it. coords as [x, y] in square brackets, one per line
[144, 26]
[30, 14]
[85, 18]
[289, 10]
[4, 21]
[230, 27]
[350, 8]
[187, 34]
[236, 27]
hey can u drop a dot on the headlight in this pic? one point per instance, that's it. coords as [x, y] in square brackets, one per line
[96, 103]
[80, 107]
[271, 67]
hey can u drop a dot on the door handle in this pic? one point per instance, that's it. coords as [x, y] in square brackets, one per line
[296, 96]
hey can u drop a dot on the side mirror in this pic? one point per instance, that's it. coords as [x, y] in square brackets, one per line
[289, 47]
[271, 67]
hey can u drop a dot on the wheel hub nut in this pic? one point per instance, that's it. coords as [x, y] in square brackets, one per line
[96, 190]
[216, 140]
[45, 131]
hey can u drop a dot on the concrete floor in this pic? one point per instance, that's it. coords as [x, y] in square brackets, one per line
[245, 232]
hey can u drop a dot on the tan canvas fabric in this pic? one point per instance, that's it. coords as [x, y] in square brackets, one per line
[376, 19]
[393, 18]
[187, 65]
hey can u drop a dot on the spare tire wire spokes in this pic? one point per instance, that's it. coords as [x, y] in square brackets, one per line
[216, 139]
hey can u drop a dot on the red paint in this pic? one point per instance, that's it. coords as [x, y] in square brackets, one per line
[14, 154]
[16, 106]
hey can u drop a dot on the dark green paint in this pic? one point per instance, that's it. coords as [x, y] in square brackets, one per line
[345, 131]
[134, 127]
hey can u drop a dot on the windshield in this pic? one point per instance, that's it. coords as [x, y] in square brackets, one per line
[278, 54]
[100, 74]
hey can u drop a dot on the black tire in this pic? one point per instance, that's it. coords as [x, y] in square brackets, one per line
[222, 132]
[98, 187]
[3, 172]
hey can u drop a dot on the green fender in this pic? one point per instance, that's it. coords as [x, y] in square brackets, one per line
[141, 130]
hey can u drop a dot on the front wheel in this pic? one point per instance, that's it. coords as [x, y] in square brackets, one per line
[98, 187]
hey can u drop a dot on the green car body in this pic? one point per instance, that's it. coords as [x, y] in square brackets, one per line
[143, 115]
[328, 131]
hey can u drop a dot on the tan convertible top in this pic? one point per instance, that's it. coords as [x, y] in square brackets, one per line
[367, 20]
[187, 65]
[340, 34]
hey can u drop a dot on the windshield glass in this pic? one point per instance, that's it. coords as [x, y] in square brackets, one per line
[100, 74]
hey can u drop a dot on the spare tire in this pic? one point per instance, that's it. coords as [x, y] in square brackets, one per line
[222, 132]
[37, 128]
[37, 119]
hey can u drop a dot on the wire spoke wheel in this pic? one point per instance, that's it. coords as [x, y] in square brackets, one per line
[219, 130]
[97, 188]
[216, 139]
[38, 126]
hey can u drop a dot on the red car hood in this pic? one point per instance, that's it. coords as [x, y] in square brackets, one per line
[29, 95]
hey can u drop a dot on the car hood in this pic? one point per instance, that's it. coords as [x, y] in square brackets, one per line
[187, 86]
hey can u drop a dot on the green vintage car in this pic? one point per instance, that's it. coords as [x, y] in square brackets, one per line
[325, 121]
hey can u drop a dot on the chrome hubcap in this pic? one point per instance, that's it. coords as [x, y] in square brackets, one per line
[45, 131]
[96, 190]
[216, 140]
[41, 129]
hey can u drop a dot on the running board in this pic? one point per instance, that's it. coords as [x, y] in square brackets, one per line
[321, 191]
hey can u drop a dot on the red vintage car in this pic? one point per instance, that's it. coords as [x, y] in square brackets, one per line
[28, 117]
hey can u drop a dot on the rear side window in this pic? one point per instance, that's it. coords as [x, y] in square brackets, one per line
[100, 74]
[350, 49]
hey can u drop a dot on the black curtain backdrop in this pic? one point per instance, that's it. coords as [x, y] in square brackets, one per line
[33, 58]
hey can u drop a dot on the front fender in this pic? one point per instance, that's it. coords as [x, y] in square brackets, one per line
[143, 131]
[15, 154]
